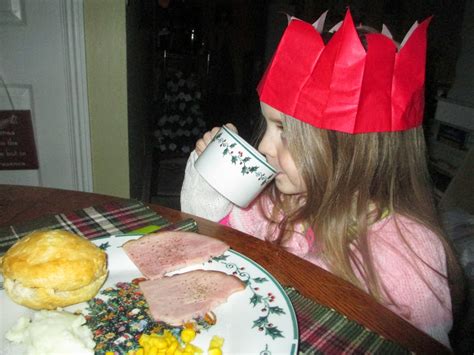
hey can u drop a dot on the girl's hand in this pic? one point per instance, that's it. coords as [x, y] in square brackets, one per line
[202, 143]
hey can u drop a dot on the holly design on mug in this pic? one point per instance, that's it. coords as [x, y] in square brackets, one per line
[237, 157]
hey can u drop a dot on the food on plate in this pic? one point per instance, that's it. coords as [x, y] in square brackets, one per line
[215, 345]
[53, 332]
[53, 268]
[120, 315]
[180, 298]
[158, 253]
[167, 343]
[188, 334]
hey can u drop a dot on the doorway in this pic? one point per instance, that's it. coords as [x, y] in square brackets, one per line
[191, 66]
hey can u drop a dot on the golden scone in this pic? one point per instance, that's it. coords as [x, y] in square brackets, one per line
[54, 268]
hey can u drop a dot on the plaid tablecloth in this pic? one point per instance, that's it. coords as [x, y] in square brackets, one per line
[325, 331]
[91, 222]
[322, 330]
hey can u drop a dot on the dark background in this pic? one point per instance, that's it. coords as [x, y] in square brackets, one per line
[195, 64]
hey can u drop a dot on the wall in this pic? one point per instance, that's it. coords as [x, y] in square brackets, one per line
[43, 64]
[140, 78]
[105, 41]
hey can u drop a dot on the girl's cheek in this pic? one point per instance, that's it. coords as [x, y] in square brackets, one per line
[267, 144]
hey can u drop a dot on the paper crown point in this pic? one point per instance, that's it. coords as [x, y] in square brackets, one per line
[342, 86]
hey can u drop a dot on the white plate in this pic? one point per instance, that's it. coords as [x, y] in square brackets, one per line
[263, 297]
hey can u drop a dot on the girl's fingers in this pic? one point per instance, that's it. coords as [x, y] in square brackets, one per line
[202, 143]
[200, 146]
[231, 127]
[208, 136]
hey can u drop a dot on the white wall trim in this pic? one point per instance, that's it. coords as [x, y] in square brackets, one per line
[12, 12]
[78, 108]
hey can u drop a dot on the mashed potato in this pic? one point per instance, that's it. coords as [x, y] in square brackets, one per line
[53, 332]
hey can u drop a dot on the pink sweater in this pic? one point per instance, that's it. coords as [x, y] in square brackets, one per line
[406, 278]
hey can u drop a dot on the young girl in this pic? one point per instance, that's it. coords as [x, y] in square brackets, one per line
[343, 129]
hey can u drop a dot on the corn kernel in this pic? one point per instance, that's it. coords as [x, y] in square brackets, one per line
[168, 344]
[216, 342]
[190, 348]
[171, 349]
[188, 335]
[161, 343]
[146, 348]
[214, 351]
[143, 339]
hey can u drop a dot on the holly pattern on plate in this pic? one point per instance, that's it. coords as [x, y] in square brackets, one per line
[269, 310]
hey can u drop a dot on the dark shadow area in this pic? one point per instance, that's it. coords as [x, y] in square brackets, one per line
[195, 64]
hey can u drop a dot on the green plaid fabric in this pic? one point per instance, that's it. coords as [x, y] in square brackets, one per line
[322, 330]
[92, 222]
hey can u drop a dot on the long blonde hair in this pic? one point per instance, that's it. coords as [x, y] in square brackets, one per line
[351, 181]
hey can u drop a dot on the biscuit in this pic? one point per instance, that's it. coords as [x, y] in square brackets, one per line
[53, 268]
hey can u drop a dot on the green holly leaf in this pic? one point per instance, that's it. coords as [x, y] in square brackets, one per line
[256, 299]
[225, 151]
[234, 160]
[260, 322]
[260, 279]
[276, 310]
[104, 246]
[274, 332]
[220, 258]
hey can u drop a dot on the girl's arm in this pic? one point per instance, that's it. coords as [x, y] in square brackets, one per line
[414, 290]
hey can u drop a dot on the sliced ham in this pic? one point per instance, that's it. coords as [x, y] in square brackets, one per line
[180, 298]
[159, 253]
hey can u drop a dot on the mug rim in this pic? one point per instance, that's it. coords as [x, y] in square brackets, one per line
[251, 150]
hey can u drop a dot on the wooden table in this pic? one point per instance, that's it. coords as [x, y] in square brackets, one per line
[20, 203]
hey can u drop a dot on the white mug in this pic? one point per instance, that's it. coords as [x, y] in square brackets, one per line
[234, 168]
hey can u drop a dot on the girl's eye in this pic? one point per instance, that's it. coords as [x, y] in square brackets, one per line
[283, 135]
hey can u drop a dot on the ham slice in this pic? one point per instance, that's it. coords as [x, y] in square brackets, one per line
[158, 253]
[180, 298]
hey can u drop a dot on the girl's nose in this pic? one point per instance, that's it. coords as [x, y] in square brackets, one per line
[266, 147]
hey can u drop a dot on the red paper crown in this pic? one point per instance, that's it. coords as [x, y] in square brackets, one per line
[341, 86]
